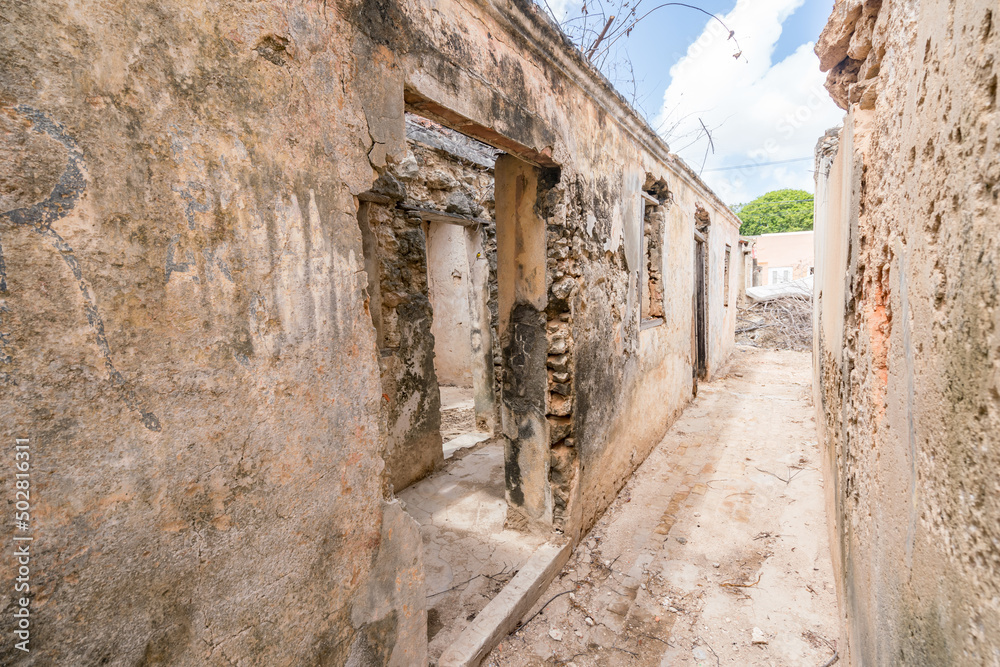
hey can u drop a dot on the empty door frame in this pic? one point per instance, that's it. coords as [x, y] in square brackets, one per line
[480, 326]
[521, 254]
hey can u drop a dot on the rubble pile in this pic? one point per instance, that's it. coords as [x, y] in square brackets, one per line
[784, 323]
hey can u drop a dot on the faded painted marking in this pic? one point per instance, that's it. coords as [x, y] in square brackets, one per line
[212, 260]
[5, 345]
[192, 205]
[172, 266]
[67, 190]
[39, 217]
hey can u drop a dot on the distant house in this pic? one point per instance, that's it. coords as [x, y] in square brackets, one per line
[782, 258]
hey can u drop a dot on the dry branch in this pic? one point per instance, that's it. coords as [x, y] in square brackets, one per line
[778, 324]
[735, 585]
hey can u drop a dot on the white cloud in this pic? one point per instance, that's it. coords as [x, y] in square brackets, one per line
[561, 8]
[757, 111]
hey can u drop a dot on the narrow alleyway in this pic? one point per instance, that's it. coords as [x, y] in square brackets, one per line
[716, 552]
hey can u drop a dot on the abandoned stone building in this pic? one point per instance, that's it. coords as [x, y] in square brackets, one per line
[906, 349]
[312, 313]
[245, 243]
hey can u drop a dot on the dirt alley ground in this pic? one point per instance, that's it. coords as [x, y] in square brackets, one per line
[715, 552]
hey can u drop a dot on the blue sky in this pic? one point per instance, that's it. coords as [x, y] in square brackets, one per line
[767, 106]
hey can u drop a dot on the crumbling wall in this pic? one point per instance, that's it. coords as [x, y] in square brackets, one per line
[501, 73]
[906, 328]
[594, 307]
[185, 342]
[396, 261]
[652, 288]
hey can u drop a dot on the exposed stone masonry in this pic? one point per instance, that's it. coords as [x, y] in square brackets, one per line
[847, 53]
[442, 171]
[653, 233]
[561, 266]
[410, 416]
[702, 218]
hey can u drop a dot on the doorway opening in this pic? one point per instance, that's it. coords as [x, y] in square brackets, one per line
[458, 276]
[429, 245]
[456, 260]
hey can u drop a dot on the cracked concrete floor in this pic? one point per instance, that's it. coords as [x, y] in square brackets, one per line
[468, 554]
[722, 530]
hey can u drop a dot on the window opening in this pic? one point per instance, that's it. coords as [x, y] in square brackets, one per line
[651, 278]
[725, 277]
[779, 275]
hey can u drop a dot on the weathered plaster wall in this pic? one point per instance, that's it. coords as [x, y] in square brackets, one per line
[449, 286]
[185, 340]
[522, 293]
[723, 234]
[907, 347]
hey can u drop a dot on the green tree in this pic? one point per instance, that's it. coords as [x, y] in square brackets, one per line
[778, 211]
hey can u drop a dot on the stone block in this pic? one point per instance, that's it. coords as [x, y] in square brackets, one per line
[560, 406]
[502, 614]
[559, 362]
[560, 388]
[559, 429]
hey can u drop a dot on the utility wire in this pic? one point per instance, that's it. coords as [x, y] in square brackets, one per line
[761, 164]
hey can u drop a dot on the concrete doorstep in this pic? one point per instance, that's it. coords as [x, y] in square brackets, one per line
[463, 441]
[500, 617]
